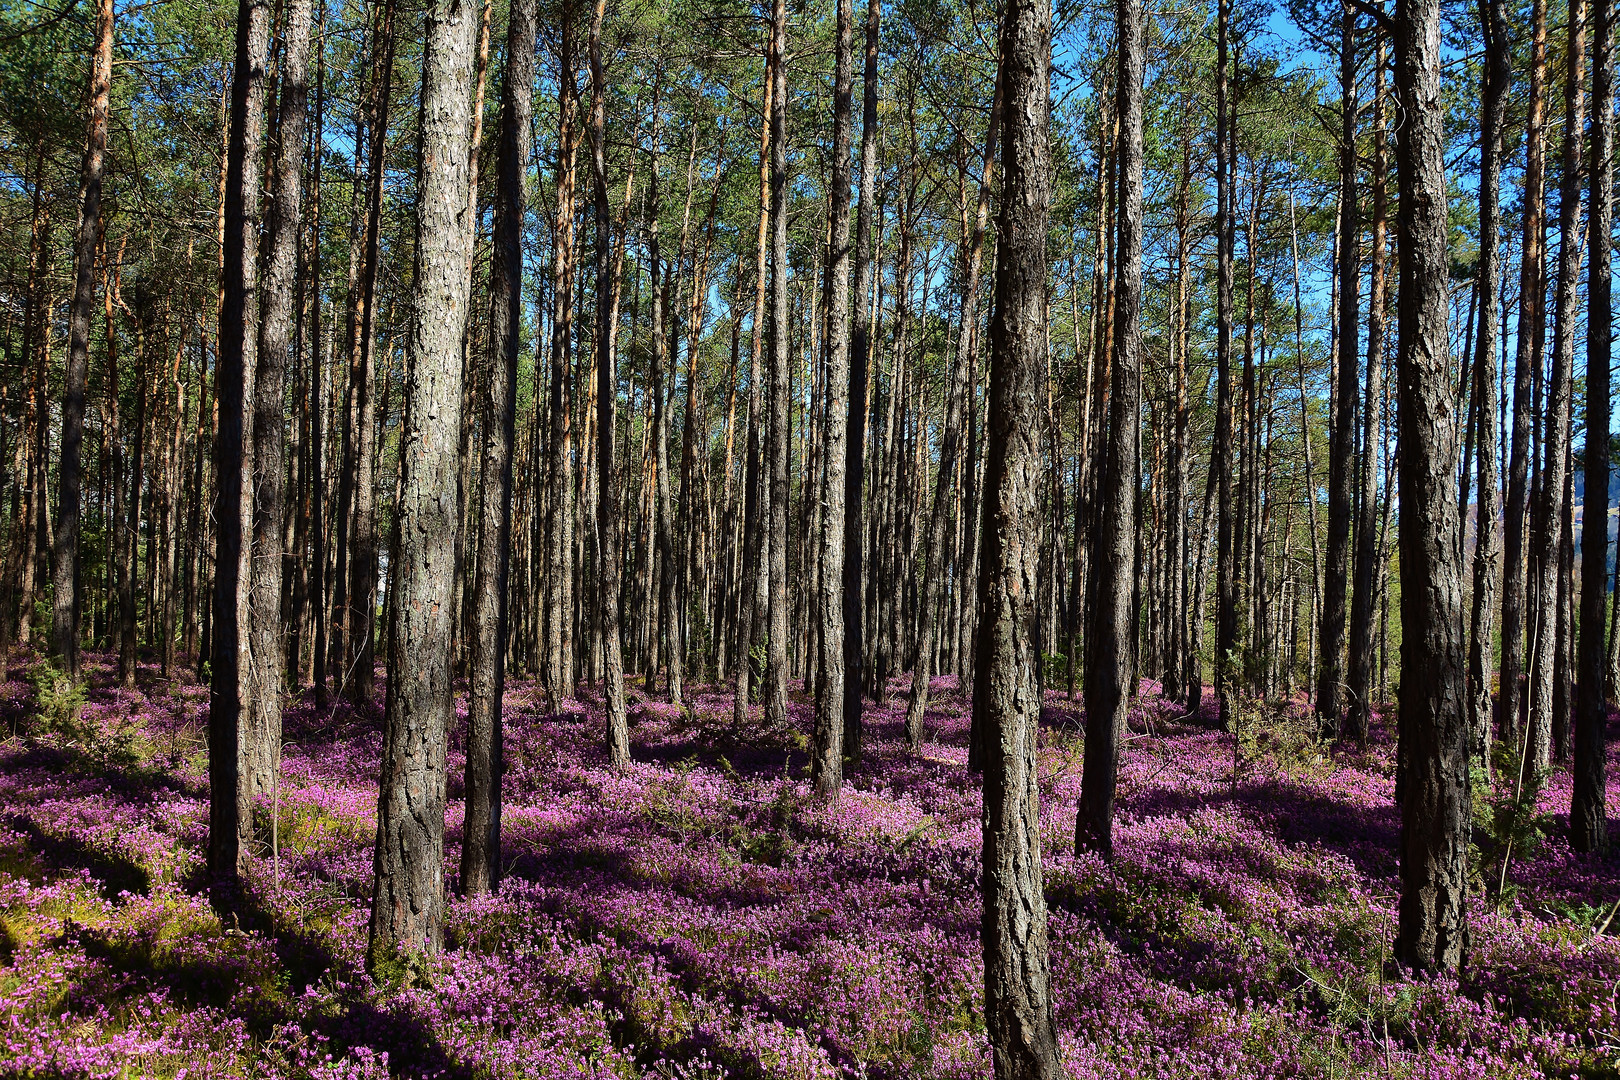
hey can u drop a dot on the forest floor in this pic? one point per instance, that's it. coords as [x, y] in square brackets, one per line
[702, 916]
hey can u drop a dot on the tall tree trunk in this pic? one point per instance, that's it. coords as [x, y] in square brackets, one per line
[607, 383]
[1342, 440]
[360, 631]
[663, 495]
[934, 554]
[230, 782]
[1588, 826]
[129, 541]
[556, 671]
[1434, 724]
[481, 844]
[1017, 988]
[860, 356]
[1545, 641]
[827, 751]
[262, 730]
[65, 554]
[1527, 358]
[755, 588]
[778, 451]
[1498, 77]
[407, 908]
[1366, 524]
[1110, 660]
[317, 406]
[1221, 454]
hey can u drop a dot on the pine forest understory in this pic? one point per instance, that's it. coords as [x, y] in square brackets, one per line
[696, 539]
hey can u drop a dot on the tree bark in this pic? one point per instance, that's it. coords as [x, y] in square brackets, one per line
[360, 629]
[1110, 660]
[481, 843]
[860, 357]
[408, 899]
[1018, 999]
[1342, 439]
[65, 554]
[1545, 641]
[1359, 714]
[1221, 454]
[827, 750]
[934, 554]
[1588, 825]
[607, 382]
[1527, 358]
[778, 452]
[1434, 724]
[1498, 78]
[230, 782]
[262, 731]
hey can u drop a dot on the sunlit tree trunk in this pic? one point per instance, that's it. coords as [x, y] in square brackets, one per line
[1018, 996]
[407, 907]
[1435, 734]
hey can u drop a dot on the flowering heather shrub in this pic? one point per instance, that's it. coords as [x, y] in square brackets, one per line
[701, 916]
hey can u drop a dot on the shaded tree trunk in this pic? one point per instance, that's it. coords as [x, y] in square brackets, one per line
[65, 548]
[230, 784]
[860, 358]
[1588, 826]
[1342, 440]
[1527, 358]
[1221, 454]
[1359, 714]
[1498, 79]
[1110, 655]
[934, 553]
[1545, 640]
[481, 844]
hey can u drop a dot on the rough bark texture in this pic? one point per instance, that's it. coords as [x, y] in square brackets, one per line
[1018, 999]
[1367, 553]
[607, 382]
[1434, 728]
[1342, 438]
[408, 900]
[778, 452]
[827, 751]
[957, 405]
[261, 731]
[1493, 107]
[1527, 359]
[481, 848]
[1110, 659]
[860, 356]
[1545, 639]
[65, 553]
[230, 818]
[361, 581]
[1588, 826]
[1221, 453]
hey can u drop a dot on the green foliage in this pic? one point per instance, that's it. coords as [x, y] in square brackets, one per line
[59, 704]
[1508, 822]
